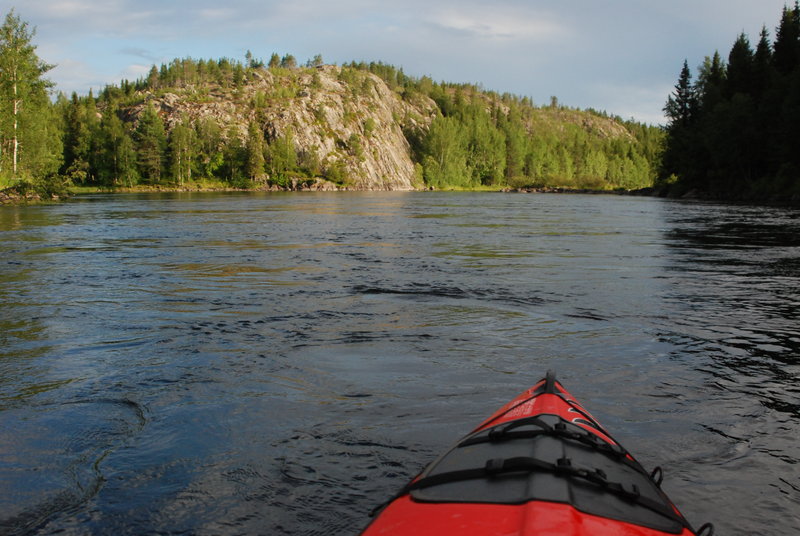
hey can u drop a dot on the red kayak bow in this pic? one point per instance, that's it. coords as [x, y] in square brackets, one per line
[541, 465]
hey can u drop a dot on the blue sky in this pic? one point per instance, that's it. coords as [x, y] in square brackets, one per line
[622, 56]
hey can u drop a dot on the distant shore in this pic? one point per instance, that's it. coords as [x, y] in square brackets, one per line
[10, 196]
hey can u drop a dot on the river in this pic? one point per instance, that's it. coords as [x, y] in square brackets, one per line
[281, 363]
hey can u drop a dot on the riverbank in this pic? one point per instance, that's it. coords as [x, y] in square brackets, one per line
[12, 196]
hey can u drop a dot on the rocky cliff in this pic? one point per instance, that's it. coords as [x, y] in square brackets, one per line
[346, 117]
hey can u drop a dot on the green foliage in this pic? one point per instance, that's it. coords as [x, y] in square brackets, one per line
[309, 161]
[478, 139]
[355, 147]
[274, 61]
[281, 158]
[369, 127]
[30, 137]
[182, 152]
[209, 147]
[151, 145]
[255, 151]
[234, 157]
[288, 62]
[336, 172]
[444, 155]
[117, 162]
[740, 139]
[521, 146]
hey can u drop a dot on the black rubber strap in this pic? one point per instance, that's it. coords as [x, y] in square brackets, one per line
[507, 431]
[706, 530]
[499, 466]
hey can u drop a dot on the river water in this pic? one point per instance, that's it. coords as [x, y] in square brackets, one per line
[281, 363]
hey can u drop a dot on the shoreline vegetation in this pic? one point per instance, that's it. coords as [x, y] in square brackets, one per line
[277, 125]
[11, 197]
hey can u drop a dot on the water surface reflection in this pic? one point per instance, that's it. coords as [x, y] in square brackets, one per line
[239, 363]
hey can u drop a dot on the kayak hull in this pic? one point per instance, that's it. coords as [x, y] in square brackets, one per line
[540, 465]
[534, 518]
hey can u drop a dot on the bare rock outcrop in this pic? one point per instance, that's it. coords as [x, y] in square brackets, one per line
[344, 118]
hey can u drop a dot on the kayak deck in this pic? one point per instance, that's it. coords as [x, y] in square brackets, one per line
[540, 465]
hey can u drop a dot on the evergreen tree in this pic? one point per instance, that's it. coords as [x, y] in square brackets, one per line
[740, 68]
[274, 61]
[741, 140]
[682, 103]
[681, 110]
[151, 143]
[288, 62]
[77, 141]
[710, 82]
[762, 72]
[152, 78]
[234, 156]
[118, 155]
[209, 146]
[787, 41]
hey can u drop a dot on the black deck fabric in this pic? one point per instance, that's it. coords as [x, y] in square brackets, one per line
[547, 459]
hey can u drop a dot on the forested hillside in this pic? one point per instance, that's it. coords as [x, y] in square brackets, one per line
[278, 124]
[733, 132]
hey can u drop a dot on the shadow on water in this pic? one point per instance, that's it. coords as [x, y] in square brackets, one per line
[734, 316]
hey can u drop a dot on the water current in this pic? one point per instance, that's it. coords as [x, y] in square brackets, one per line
[282, 363]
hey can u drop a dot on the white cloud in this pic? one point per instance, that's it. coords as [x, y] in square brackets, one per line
[642, 102]
[499, 23]
[132, 72]
[75, 76]
[605, 55]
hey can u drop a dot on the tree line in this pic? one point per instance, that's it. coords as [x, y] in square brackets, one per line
[101, 149]
[481, 138]
[733, 132]
[478, 138]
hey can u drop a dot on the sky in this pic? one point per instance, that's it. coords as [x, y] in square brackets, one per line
[620, 56]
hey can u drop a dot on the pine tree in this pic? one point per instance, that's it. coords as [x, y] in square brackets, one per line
[118, 155]
[710, 82]
[682, 103]
[288, 62]
[679, 157]
[151, 143]
[762, 65]
[740, 68]
[234, 157]
[274, 60]
[78, 140]
[787, 41]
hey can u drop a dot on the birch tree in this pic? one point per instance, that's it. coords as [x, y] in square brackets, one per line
[28, 137]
